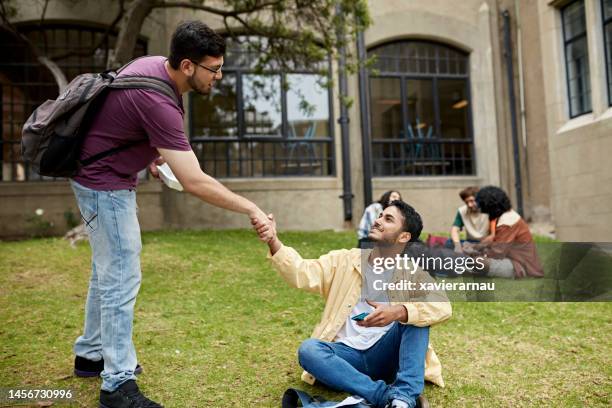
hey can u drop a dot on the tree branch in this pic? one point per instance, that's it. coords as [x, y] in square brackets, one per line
[213, 10]
[131, 25]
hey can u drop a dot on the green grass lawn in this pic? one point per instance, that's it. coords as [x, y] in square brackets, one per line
[216, 327]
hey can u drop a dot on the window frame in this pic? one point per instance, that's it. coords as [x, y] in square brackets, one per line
[566, 43]
[434, 78]
[52, 28]
[243, 137]
[604, 23]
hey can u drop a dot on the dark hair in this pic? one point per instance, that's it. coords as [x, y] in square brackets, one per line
[493, 201]
[412, 220]
[384, 199]
[194, 40]
[468, 192]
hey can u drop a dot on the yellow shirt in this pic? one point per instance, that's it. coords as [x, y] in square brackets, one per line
[337, 277]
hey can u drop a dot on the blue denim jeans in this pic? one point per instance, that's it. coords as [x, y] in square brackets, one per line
[393, 368]
[114, 236]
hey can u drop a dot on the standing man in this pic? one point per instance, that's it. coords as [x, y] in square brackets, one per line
[152, 123]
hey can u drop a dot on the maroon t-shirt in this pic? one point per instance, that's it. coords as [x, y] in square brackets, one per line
[130, 115]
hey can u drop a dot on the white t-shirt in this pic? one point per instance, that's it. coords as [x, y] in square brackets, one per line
[359, 337]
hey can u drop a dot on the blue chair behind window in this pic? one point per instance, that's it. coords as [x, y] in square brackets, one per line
[309, 134]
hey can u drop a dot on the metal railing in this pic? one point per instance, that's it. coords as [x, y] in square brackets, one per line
[264, 157]
[423, 157]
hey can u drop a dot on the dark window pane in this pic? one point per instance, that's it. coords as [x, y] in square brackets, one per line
[419, 57]
[215, 115]
[454, 107]
[310, 154]
[307, 106]
[576, 58]
[574, 23]
[263, 145]
[422, 147]
[386, 108]
[420, 103]
[578, 79]
[262, 105]
[26, 83]
[250, 158]
[243, 51]
[246, 52]
[606, 5]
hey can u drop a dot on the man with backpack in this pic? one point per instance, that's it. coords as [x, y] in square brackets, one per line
[133, 129]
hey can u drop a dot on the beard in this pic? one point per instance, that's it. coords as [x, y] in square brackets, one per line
[195, 86]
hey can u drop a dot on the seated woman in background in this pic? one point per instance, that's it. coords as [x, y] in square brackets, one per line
[512, 251]
[372, 212]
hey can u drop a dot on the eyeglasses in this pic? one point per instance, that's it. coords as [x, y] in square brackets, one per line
[214, 71]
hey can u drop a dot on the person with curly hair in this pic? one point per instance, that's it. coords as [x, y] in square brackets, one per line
[512, 252]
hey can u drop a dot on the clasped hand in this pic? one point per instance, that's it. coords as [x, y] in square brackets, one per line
[264, 225]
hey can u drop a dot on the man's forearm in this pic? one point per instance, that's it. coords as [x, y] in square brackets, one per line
[211, 191]
[455, 235]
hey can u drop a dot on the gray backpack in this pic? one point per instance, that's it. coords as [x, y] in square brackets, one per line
[53, 134]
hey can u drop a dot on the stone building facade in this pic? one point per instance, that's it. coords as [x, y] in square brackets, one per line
[435, 117]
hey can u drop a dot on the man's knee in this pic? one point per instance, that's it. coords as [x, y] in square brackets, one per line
[414, 333]
[309, 350]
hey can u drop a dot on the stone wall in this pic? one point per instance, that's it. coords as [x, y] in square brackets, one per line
[579, 148]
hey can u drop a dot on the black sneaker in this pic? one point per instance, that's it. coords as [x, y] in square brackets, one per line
[126, 396]
[89, 368]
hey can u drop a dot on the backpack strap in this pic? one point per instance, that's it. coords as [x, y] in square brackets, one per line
[112, 73]
[145, 82]
[109, 152]
[132, 82]
[130, 62]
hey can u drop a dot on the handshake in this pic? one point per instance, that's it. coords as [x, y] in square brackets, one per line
[265, 226]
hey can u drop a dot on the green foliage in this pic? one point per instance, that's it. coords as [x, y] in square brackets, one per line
[348, 101]
[298, 33]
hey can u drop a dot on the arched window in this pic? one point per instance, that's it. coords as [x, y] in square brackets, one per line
[75, 47]
[261, 124]
[420, 110]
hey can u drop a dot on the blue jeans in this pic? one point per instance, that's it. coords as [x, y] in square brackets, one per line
[114, 235]
[393, 368]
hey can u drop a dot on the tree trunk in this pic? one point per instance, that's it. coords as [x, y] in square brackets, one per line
[130, 28]
[57, 73]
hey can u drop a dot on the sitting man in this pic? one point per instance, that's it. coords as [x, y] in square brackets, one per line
[469, 216]
[386, 357]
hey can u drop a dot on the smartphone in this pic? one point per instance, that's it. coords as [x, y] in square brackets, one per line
[360, 316]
